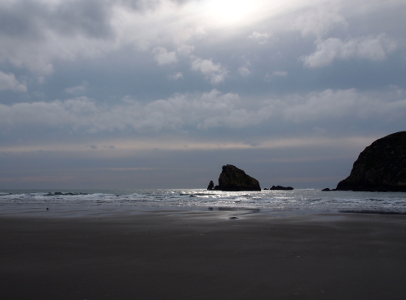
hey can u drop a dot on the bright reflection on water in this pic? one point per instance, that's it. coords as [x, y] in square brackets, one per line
[302, 199]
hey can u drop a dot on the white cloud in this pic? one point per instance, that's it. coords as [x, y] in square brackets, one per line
[9, 82]
[205, 111]
[370, 47]
[244, 71]
[176, 76]
[330, 104]
[77, 90]
[38, 55]
[56, 31]
[185, 49]
[163, 57]
[319, 19]
[72, 112]
[216, 73]
[261, 38]
[321, 105]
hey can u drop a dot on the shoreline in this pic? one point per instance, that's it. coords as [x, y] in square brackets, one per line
[83, 211]
[88, 211]
[203, 255]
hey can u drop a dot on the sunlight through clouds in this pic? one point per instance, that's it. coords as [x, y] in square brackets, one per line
[230, 12]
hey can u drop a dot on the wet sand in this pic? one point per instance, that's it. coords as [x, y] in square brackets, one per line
[203, 255]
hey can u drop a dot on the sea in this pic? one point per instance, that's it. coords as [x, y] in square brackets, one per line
[281, 203]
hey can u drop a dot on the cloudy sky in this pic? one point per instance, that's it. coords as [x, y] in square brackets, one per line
[162, 93]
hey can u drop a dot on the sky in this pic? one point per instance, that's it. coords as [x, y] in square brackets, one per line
[161, 93]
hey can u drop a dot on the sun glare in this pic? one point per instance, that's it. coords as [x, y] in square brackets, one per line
[230, 12]
[234, 13]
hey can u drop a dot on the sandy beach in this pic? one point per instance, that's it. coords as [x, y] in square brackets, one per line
[203, 255]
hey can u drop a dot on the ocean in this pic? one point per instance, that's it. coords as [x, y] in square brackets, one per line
[298, 201]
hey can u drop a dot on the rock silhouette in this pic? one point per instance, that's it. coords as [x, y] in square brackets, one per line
[235, 179]
[211, 185]
[380, 167]
[281, 188]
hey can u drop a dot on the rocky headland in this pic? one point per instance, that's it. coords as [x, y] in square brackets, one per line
[380, 167]
[235, 179]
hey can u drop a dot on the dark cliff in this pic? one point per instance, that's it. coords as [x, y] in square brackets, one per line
[380, 167]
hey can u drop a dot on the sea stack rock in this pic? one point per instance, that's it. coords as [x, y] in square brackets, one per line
[234, 179]
[211, 185]
[380, 167]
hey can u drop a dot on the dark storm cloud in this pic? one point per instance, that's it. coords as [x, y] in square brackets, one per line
[21, 19]
[26, 18]
[91, 18]
[147, 5]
